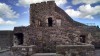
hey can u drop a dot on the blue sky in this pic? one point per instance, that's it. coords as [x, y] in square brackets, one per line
[16, 12]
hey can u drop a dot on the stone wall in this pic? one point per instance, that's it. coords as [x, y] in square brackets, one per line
[76, 50]
[6, 38]
[46, 38]
[23, 50]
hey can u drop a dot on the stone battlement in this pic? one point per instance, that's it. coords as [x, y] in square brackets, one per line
[36, 8]
[43, 4]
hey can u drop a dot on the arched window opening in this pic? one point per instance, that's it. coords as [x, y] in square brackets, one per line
[82, 38]
[19, 37]
[50, 22]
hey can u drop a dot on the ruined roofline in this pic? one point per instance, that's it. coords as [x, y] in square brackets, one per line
[21, 26]
[37, 6]
[6, 30]
[45, 2]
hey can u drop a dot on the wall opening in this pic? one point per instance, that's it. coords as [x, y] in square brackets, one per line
[58, 22]
[82, 38]
[19, 37]
[50, 22]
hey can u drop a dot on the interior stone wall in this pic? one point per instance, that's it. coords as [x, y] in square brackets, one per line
[6, 39]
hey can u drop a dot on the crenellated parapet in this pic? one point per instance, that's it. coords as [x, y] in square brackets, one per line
[38, 7]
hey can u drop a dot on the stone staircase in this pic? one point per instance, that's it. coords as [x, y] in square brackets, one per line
[46, 54]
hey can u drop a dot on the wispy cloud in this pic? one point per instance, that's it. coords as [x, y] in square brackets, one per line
[7, 12]
[84, 1]
[8, 22]
[84, 11]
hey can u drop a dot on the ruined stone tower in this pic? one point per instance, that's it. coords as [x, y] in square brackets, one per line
[49, 27]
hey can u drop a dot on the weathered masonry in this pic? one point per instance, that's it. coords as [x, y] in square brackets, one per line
[6, 39]
[51, 31]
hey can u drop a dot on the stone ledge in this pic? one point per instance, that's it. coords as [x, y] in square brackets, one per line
[76, 46]
[22, 46]
[87, 50]
[23, 50]
[46, 54]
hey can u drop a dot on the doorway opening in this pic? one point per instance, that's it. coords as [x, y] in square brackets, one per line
[50, 22]
[19, 37]
[82, 38]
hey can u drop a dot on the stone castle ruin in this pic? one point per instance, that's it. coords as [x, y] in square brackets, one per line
[51, 30]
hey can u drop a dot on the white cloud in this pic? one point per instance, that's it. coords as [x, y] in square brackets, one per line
[89, 17]
[84, 11]
[88, 11]
[60, 2]
[3, 22]
[72, 12]
[84, 1]
[7, 12]
[27, 2]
